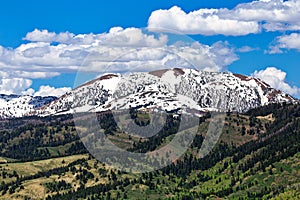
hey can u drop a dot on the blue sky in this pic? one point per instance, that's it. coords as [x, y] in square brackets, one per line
[252, 49]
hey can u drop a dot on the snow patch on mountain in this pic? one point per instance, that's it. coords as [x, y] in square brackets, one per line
[18, 106]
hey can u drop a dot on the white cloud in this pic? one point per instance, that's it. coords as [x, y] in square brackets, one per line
[21, 86]
[223, 53]
[273, 50]
[27, 74]
[121, 50]
[275, 14]
[203, 21]
[36, 52]
[132, 37]
[285, 42]
[245, 18]
[35, 75]
[14, 85]
[245, 49]
[276, 79]
[69, 52]
[29, 92]
[51, 91]
[125, 48]
[291, 41]
[46, 36]
[202, 57]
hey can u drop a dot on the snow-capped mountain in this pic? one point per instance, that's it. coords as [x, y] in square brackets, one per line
[18, 106]
[180, 90]
[176, 90]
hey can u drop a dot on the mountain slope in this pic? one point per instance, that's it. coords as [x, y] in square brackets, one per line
[19, 106]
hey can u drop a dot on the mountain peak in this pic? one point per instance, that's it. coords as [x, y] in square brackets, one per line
[160, 73]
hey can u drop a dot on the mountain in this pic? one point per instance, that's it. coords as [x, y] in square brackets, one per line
[180, 90]
[173, 90]
[18, 106]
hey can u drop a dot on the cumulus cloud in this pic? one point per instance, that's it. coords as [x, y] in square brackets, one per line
[14, 85]
[273, 14]
[285, 42]
[203, 21]
[47, 90]
[29, 92]
[276, 78]
[223, 53]
[291, 41]
[245, 18]
[21, 86]
[132, 37]
[46, 36]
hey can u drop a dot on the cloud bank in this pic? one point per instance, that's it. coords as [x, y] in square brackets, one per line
[244, 19]
[46, 54]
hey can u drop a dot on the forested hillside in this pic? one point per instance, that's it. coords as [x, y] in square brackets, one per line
[257, 156]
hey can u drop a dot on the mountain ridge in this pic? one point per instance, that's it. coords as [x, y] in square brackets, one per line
[177, 89]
